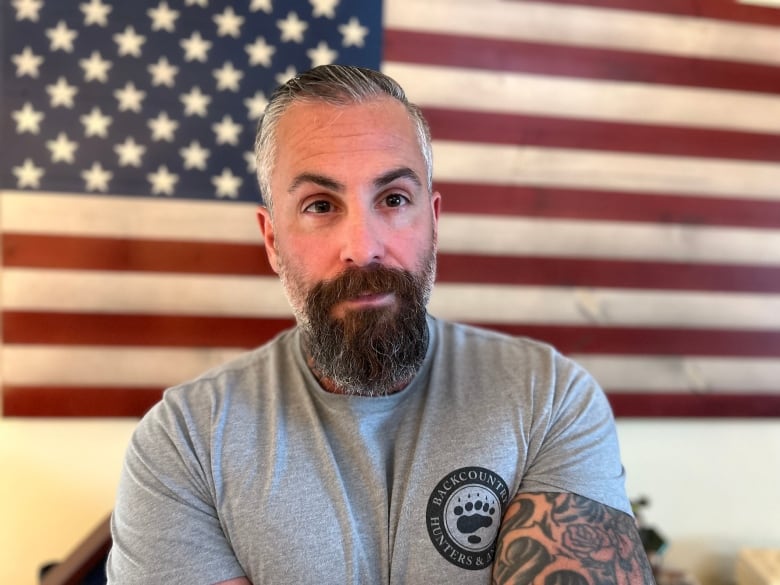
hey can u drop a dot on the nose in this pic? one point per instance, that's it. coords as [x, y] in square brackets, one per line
[362, 240]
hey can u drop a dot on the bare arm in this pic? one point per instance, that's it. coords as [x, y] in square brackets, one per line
[565, 539]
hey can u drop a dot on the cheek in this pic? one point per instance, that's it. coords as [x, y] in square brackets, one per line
[414, 249]
[301, 262]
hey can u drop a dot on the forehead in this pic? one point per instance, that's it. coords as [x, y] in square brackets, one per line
[377, 132]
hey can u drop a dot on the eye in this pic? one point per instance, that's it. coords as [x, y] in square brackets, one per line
[396, 200]
[319, 206]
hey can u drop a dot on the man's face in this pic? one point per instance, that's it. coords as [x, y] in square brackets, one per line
[354, 227]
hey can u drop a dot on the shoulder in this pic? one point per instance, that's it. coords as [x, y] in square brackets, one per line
[528, 376]
[238, 386]
[521, 355]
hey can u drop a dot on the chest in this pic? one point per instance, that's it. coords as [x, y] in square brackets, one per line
[382, 499]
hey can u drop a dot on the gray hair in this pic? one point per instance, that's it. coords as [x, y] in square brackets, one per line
[338, 85]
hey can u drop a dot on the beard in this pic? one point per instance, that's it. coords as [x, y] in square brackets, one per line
[374, 351]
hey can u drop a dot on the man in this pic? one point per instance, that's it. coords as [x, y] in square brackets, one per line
[373, 443]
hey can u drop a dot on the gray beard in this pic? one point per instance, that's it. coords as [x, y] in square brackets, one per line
[371, 352]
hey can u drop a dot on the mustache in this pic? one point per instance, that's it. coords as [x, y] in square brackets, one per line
[373, 279]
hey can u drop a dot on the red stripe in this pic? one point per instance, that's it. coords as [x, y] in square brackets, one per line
[73, 329]
[28, 327]
[540, 131]
[729, 10]
[632, 274]
[576, 61]
[531, 201]
[649, 341]
[190, 257]
[685, 404]
[58, 252]
[94, 253]
[77, 401]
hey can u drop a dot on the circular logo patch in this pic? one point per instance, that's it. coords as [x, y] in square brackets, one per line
[463, 516]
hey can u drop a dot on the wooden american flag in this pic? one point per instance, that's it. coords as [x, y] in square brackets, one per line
[610, 173]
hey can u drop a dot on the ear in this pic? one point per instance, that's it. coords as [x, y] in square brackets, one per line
[436, 209]
[269, 238]
[436, 205]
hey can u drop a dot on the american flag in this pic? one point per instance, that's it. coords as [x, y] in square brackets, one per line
[609, 169]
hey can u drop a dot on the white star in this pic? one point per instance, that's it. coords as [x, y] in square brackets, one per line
[95, 68]
[27, 9]
[256, 105]
[62, 149]
[325, 8]
[61, 37]
[260, 52]
[353, 33]
[226, 131]
[163, 18]
[227, 184]
[27, 119]
[264, 5]
[129, 42]
[129, 153]
[195, 48]
[163, 127]
[96, 178]
[95, 12]
[61, 94]
[322, 55]
[201, 3]
[28, 175]
[27, 63]
[251, 162]
[228, 77]
[292, 28]
[163, 181]
[163, 72]
[286, 75]
[129, 98]
[195, 102]
[95, 123]
[228, 23]
[194, 156]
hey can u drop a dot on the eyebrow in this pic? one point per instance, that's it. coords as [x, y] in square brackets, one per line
[333, 185]
[321, 180]
[399, 173]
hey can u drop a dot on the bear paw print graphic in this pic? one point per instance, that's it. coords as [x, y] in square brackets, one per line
[472, 516]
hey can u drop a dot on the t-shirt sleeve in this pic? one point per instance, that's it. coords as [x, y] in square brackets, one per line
[165, 528]
[574, 447]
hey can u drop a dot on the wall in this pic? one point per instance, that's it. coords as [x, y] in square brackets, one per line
[713, 484]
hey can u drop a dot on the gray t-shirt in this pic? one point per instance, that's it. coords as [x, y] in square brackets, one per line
[253, 469]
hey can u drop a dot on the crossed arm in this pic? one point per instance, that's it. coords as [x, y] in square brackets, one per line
[566, 539]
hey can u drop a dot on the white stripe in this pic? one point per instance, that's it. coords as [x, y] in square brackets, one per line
[700, 374]
[123, 217]
[611, 171]
[77, 291]
[589, 306]
[589, 99]
[770, 3]
[517, 236]
[458, 233]
[95, 366]
[589, 27]
[133, 292]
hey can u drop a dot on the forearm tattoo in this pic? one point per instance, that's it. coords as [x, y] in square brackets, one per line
[565, 539]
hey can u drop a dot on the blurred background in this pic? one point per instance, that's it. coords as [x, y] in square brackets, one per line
[610, 172]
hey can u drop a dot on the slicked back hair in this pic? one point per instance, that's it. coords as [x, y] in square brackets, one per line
[338, 85]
